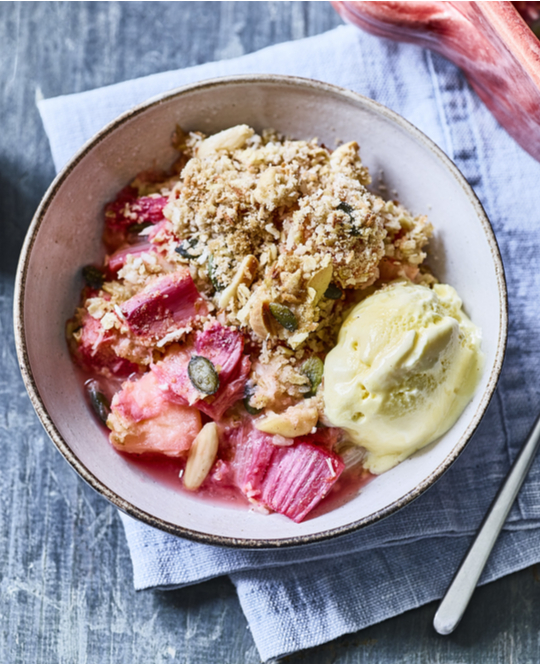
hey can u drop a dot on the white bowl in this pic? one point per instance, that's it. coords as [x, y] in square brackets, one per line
[66, 234]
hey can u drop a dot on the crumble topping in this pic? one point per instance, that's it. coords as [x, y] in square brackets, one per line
[280, 237]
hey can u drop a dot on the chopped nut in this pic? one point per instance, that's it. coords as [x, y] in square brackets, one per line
[226, 140]
[296, 421]
[260, 319]
[297, 339]
[245, 275]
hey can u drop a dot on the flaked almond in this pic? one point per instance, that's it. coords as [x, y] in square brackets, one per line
[244, 275]
[201, 457]
[320, 281]
[296, 421]
[226, 140]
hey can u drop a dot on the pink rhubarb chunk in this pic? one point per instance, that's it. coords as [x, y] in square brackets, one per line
[128, 210]
[289, 480]
[224, 347]
[94, 350]
[143, 420]
[117, 260]
[298, 478]
[253, 456]
[169, 302]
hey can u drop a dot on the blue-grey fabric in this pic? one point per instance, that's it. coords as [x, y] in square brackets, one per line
[302, 597]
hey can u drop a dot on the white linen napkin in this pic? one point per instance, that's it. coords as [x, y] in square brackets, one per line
[301, 597]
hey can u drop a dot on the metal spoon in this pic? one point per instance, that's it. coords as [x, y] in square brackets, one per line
[456, 599]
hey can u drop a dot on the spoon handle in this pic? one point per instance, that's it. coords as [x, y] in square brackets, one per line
[456, 599]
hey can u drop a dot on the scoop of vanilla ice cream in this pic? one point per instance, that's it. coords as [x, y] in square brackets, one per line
[405, 366]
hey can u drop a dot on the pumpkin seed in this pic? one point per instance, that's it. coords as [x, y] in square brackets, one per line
[93, 276]
[212, 274]
[333, 292]
[248, 393]
[313, 368]
[348, 209]
[137, 228]
[203, 375]
[98, 400]
[184, 248]
[284, 316]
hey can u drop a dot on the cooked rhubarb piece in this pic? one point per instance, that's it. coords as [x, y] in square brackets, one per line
[298, 478]
[223, 347]
[117, 260]
[157, 229]
[324, 436]
[229, 392]
[92, 347]
[143, 420]
[252, 458]
[128, 214]
[290, 480]
[390, 270]
[168, 302]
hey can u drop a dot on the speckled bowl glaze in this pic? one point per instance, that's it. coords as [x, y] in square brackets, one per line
[66, 234]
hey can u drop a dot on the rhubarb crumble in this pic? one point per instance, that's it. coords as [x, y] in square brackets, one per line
[226, 281]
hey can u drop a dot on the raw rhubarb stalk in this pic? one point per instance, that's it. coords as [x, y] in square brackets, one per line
[490, 41]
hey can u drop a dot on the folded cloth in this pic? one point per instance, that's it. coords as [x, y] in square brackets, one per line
[301, 597]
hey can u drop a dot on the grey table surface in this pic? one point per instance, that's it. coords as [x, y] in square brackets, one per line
[66, 594]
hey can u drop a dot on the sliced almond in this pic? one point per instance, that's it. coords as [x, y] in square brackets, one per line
[226, 140]
[320, 281]
[244, 275]
[202, 455]
[296, 421]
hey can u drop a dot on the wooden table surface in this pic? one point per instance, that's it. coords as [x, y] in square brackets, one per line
[66, 592]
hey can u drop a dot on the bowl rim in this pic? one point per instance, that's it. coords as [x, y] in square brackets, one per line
[174, 529]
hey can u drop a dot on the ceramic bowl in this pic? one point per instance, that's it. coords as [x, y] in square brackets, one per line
[66, 234]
